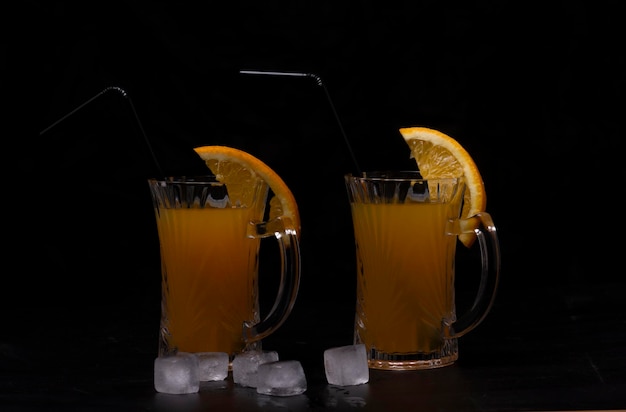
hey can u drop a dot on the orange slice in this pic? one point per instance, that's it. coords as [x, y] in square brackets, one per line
[232, 165]
[440, 156]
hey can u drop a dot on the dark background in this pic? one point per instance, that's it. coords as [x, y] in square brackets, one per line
[535, 93]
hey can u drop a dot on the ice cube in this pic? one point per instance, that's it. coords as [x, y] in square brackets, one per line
[176, 374]
[212, 366]
[346, 365]
[246, 365]
[281, 378]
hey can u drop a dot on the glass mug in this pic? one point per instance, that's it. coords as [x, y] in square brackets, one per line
[210, 236]
[406, 232]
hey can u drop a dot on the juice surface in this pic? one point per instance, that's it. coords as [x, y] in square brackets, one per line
[209, 274]
[404, 275]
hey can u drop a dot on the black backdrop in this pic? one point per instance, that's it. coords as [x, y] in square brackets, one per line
[534, 92]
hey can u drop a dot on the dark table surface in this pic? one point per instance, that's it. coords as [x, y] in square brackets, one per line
[547, 349]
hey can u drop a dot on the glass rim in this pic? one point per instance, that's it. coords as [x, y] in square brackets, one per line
[191, 180]
[199, 180]
[397, 176]
[185, 178]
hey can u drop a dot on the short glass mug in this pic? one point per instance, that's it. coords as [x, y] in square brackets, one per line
[210, 236]
[406, 232]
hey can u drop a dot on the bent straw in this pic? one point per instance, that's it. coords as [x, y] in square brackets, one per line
[319, 82]
[123, 93]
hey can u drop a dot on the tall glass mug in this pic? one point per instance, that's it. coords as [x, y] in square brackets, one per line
[406, 235]
[210, 237]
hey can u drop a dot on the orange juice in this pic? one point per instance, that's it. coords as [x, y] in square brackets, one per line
[406, 233]
[209, 270]
[405, 275]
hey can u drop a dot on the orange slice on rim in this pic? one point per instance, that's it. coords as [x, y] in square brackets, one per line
[231, 165]
[440, 156]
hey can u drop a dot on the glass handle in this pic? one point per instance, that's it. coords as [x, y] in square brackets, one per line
[289, 246]
[482, 225]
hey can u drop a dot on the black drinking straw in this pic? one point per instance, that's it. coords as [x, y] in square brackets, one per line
[125, 95]
[319, 82]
